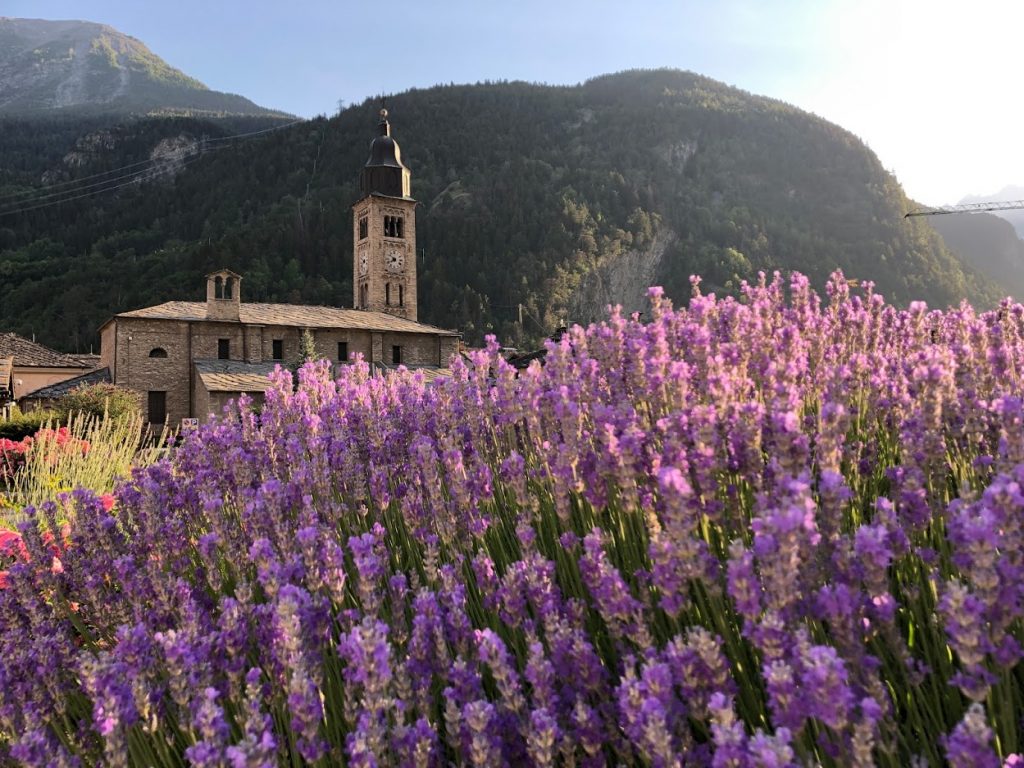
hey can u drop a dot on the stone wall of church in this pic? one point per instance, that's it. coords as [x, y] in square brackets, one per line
[157, 355]
[139, 364]
[415, 348]
[201, 402]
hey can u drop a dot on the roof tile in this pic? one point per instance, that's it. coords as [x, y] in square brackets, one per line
[30, 354]
[292, 315]
[65, 387]
[234, 375]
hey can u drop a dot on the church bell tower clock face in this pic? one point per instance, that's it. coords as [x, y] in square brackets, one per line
[364, 263]
[394, 260]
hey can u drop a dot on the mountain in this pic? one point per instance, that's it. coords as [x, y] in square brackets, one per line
[539, 204]
[990, 244]
[1007, 194]
[49, 65]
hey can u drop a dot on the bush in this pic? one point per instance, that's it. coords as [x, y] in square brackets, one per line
[97, 399]
[27, 424]
[91, 452]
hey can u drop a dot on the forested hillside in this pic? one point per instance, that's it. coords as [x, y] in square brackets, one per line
[553, 199]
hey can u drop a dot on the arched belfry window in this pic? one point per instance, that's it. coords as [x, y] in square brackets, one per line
[158, 352]
[218, 287]
[229, 288]
[394, 226]
[387, 294]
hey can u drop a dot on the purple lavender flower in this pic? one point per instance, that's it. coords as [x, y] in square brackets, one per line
[258, 747]
[969, 744]
[484, 747]
[608, 589]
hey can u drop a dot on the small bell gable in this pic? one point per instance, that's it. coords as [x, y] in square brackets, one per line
[223, 295]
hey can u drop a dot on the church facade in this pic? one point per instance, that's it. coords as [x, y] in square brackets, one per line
[189, 358]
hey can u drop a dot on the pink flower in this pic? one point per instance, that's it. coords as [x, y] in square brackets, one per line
[12, 549]
[107, 500]
[12, 546]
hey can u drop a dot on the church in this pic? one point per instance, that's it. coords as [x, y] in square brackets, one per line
[187, 359]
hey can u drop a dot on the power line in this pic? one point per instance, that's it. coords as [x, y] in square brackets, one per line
[30, 192]
[257, 133]
[33, 193]
[155, 173]
[98, 185]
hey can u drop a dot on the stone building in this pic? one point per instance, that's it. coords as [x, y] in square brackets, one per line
[29, 366]
[189, 358]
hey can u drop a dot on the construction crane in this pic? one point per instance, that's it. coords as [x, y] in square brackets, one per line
[966, 208]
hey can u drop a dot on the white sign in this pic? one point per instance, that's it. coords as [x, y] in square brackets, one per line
[187, 425]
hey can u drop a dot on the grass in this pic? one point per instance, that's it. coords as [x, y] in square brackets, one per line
[115, 446]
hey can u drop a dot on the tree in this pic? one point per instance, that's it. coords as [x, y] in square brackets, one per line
[99, 400]
[307, 347]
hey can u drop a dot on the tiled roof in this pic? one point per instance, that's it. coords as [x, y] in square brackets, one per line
[292, 314]
[89, 361]
[31, 355]
[431, 373]
[234, 375]
[65, 387]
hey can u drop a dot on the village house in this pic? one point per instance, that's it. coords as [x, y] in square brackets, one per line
[189, 358]
[26, 367]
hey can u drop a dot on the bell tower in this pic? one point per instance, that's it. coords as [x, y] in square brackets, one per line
[384, 231]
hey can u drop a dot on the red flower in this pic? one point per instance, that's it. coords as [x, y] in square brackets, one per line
[107, 500]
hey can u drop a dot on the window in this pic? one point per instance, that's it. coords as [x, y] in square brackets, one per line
[343, 351]
[158, 352]
[363, 296]
[224, 349]
[401, 297]
[157, 402]
[278, 352]
[396, 355]
[387, 294]
[394, 226]
[364, 228]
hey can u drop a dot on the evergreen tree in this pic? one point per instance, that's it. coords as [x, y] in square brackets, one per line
[307, 347]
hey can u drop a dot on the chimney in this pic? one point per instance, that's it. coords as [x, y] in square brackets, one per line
[223, 296]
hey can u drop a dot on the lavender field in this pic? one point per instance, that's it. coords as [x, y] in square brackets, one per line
[779, 530]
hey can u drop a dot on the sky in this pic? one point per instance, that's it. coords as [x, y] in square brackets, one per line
[931, 87]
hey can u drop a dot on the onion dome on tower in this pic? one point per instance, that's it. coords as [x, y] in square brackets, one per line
[384, 173]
